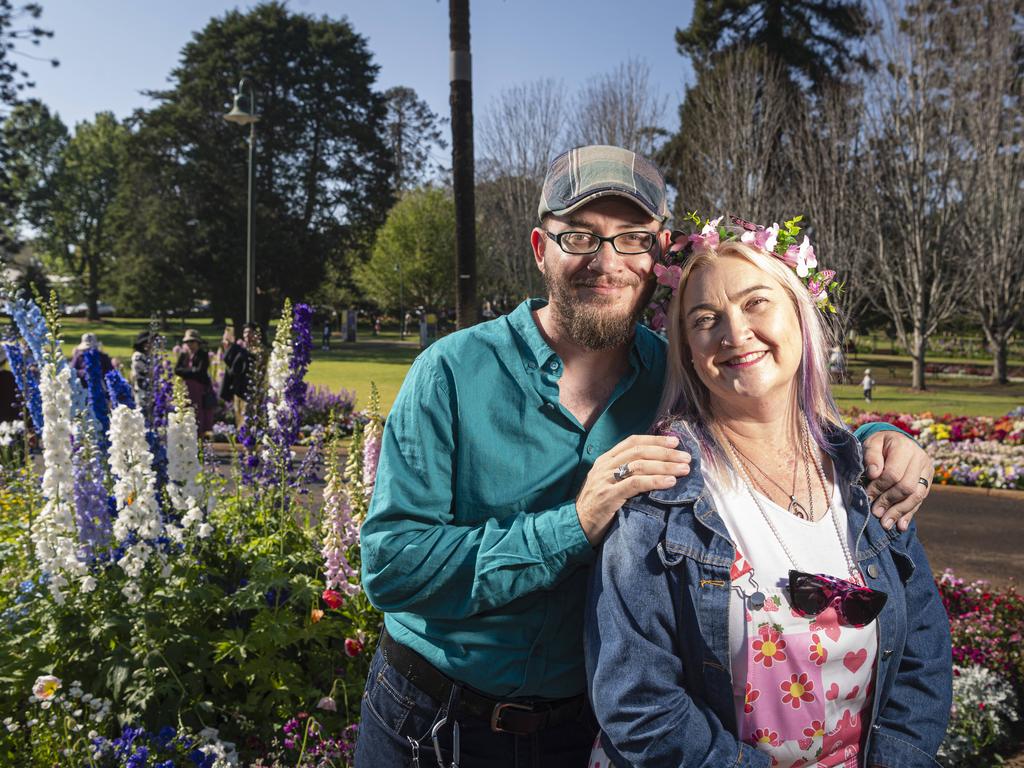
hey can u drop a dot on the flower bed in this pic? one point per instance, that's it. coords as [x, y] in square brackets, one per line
[203, 622]
[968, 450]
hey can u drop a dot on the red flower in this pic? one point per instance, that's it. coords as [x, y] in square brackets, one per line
[353, 647]
[333, 599]
[769, 648]
[798, 690]
[749, 698]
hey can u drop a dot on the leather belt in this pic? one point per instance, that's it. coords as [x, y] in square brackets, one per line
[518, 716]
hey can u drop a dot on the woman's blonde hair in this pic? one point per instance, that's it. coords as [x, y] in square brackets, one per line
[686, 397]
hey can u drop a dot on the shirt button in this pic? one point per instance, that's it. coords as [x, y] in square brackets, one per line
[873, 571]
[531, 366]
[887, 653]
[553, 365]
[590, 450]
[549, 406]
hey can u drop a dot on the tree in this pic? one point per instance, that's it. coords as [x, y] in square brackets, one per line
[991, 47]
[520, 134]
[727, 156]
[814, 40]
[414, 253]
[412, 134]
[13, 81]
[75, 233]
[920, 175]
[36, 139]
[323, 172]
[621, 108]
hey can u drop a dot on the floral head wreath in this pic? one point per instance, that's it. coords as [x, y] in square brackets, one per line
[780, 242]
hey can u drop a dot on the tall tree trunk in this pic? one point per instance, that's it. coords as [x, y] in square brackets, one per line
[463, 181]
[999, 345]
[92, 291]
[917, 353]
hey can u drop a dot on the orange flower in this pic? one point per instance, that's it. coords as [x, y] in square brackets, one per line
[315, 615]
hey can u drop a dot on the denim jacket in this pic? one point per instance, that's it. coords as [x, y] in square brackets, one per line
[657, 630]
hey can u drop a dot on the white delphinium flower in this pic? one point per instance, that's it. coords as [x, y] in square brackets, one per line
[55, 532]
[277, 371]
[183, 489]
[138, 520]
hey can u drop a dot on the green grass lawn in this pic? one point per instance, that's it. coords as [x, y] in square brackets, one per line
[385, 361]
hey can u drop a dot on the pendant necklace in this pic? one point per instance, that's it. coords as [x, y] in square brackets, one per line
[794, 507]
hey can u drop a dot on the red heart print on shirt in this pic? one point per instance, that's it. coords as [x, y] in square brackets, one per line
[854, 660]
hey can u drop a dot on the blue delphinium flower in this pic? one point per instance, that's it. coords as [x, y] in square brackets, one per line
[27, 379]
[119, 389]
[97, 395]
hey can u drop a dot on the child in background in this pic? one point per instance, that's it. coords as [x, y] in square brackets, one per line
[867, 383]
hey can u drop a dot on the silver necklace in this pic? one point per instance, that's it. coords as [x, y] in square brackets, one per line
[757, 600]
[794, 507]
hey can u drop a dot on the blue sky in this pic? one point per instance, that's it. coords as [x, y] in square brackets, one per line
[111, 50]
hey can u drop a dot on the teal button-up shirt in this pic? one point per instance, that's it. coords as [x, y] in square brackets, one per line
[472, 546]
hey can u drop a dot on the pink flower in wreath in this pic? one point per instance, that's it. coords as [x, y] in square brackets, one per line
[797, 690]
[669, 275]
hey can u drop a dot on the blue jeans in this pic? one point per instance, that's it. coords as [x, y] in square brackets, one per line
[396, 714]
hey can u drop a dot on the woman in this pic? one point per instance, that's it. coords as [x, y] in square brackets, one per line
[757, 613]
[194, 367]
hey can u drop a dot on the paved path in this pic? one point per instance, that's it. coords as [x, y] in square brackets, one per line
[979, 535]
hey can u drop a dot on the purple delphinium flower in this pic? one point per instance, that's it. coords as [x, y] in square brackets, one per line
[298, 364]
[92, 502]
[119, 389]
[27, 379]
[322, 405]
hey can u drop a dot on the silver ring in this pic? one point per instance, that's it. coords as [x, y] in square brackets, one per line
[922, 481]
[621, 473]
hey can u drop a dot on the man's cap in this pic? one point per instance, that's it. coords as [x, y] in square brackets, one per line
[584, 174]
[192, 335]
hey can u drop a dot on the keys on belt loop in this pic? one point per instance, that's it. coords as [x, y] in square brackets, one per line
[453, 701]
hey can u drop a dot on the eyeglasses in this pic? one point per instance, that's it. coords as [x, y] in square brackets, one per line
[586, 243]
[812, 593]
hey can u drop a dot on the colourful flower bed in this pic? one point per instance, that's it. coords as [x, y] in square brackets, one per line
[968, 450]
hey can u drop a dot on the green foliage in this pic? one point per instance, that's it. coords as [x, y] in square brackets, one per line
[413, 261]
[323, 172]
[818, 41]
[230, 638]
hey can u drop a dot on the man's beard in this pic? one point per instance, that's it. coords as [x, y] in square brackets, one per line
[592, 324]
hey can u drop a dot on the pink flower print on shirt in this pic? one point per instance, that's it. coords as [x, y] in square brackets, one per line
[816, 730]
[768, 647]
[797, 690]
[750, 696]
[818, 653]
[766, 736]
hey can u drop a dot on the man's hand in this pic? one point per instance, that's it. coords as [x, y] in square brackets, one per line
[653, 463]
[895, 466]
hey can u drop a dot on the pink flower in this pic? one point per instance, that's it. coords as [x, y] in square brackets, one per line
[328, 704]
[658, 320]
[668, 276]
[764, 239]
[802, 257]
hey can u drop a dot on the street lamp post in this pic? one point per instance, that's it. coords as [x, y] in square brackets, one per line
[401, 302]
[243, 112]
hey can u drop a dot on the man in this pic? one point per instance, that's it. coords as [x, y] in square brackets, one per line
[498, 477]
[234, 389]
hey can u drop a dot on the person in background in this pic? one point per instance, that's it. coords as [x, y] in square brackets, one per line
[234, 387]
[10, 402]
[867, 384]
[194, 367]
[89, 341]
[325, 341]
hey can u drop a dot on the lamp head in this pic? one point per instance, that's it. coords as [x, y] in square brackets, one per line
[241, 110]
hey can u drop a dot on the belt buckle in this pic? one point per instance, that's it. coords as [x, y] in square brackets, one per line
[497, 711]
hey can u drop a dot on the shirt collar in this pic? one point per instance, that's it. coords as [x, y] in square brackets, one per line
[643, 349]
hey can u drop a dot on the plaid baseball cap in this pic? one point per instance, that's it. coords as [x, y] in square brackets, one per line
[584, 174]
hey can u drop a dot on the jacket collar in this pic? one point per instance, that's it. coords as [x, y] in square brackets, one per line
[846, 453]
